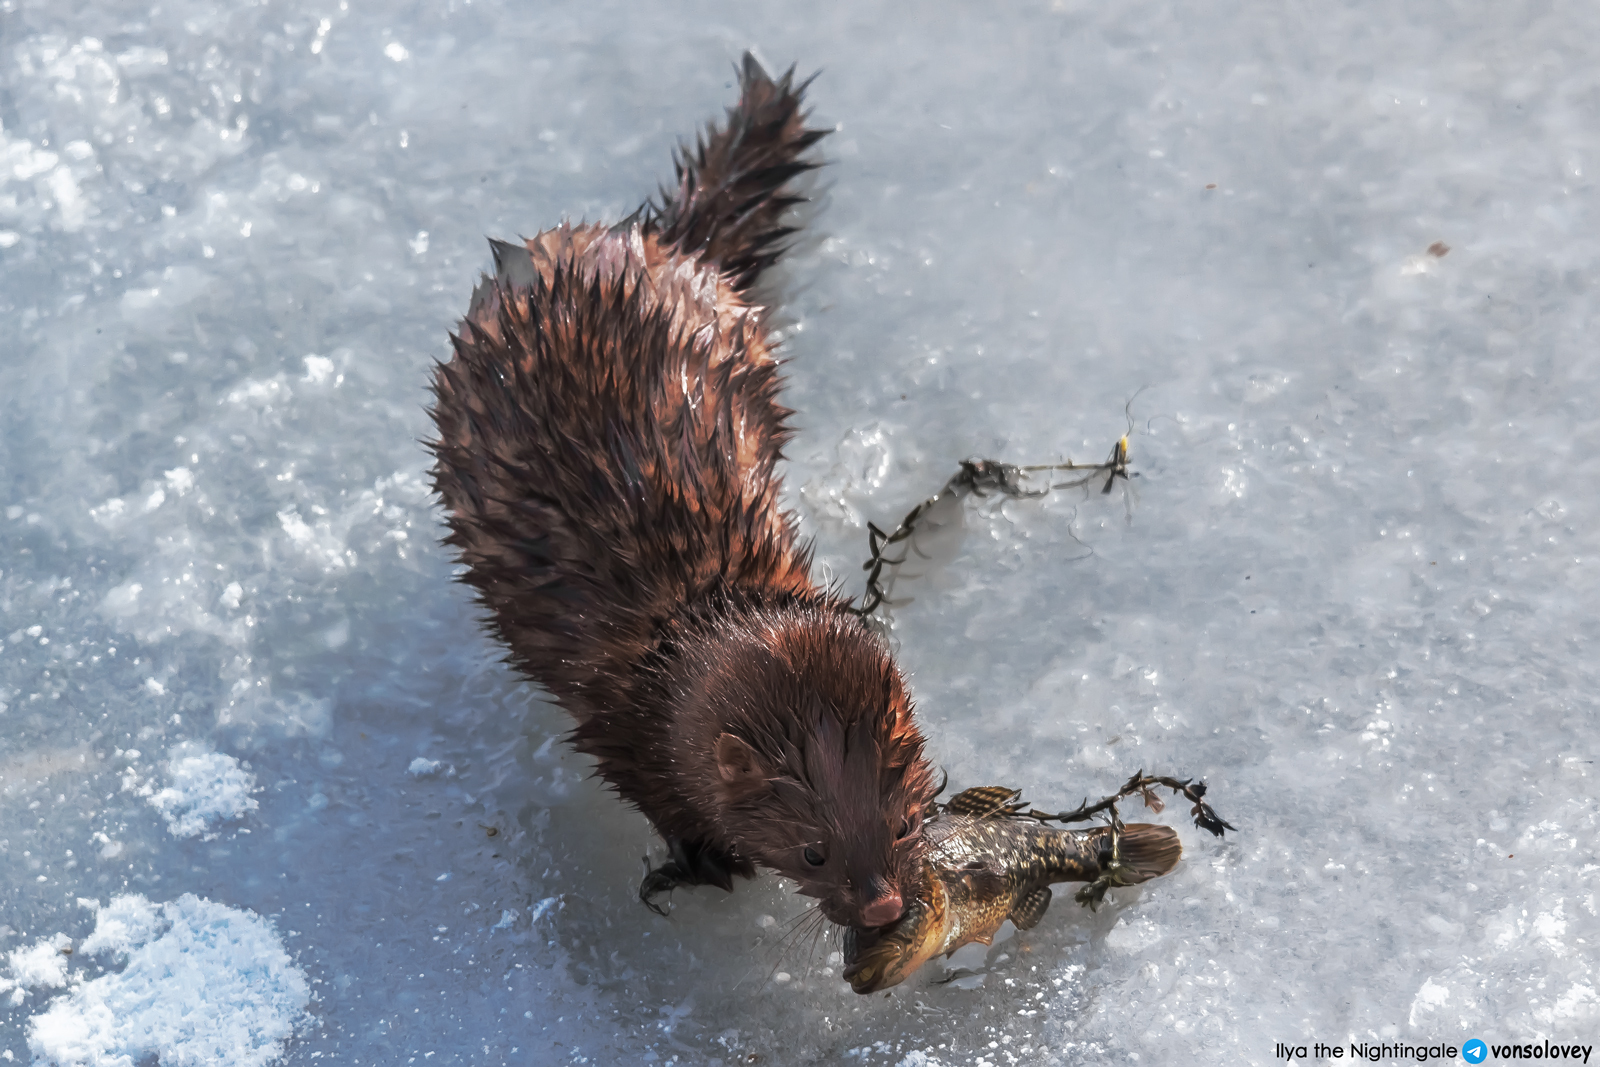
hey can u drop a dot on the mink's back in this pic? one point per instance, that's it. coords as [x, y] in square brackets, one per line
[608, 428]
[608, 437]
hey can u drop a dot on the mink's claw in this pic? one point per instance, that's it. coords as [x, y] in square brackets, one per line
[659, 880]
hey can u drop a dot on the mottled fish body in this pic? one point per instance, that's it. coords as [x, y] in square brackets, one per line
[986, 864]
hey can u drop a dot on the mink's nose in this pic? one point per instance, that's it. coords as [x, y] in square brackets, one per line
[883, 911]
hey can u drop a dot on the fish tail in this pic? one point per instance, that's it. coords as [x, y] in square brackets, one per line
[734, 184]
[1149, 851]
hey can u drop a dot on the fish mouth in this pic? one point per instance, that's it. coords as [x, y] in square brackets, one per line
[862, 978]
[871, 963]
[871, 975]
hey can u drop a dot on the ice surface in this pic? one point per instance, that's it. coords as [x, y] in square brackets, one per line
[202, 984]
[1353, 586]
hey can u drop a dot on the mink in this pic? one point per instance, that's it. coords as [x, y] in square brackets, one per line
[609, 432]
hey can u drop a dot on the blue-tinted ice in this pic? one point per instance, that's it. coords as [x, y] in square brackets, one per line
[1353, 586]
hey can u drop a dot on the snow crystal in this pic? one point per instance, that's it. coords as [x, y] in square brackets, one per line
[215, 987]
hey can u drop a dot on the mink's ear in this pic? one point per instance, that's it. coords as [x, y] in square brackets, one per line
[739, 766]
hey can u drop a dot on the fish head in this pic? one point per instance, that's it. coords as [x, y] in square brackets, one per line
[877, 959]
[873, 963]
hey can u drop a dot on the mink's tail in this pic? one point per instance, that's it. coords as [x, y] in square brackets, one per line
[733, 185]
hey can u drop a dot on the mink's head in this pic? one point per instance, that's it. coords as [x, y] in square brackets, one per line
[816, 764]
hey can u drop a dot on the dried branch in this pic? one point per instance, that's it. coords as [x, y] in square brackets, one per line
[980, 476]
[1204, 815]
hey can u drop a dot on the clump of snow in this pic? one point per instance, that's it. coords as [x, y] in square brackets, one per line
[215, 986]
[420, 767]
[205, 786]
[43, 964]
[125, 922]
[1430, 998]
[318, 369]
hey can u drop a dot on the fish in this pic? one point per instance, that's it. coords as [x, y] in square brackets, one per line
[986, 862]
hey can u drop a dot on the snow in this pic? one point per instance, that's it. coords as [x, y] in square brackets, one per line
[1352, 586]
[202, 984]
[421, 767]
[43, 965]
[204, 786]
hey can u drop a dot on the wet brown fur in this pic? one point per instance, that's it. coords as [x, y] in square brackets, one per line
[608, 434]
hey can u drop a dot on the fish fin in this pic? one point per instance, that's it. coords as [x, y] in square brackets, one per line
[1149, 851]
[975, 939]
[1030, 909]
[982, 800]
[513, 265]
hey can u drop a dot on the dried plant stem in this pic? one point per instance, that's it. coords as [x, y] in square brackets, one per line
[1205, 816]
[980, 476]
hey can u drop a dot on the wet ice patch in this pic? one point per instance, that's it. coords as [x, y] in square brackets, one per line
[1134, 935]
[863, 466]
[204, 787]
[203, 983]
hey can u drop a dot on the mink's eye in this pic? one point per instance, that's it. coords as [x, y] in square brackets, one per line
[813, 857]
